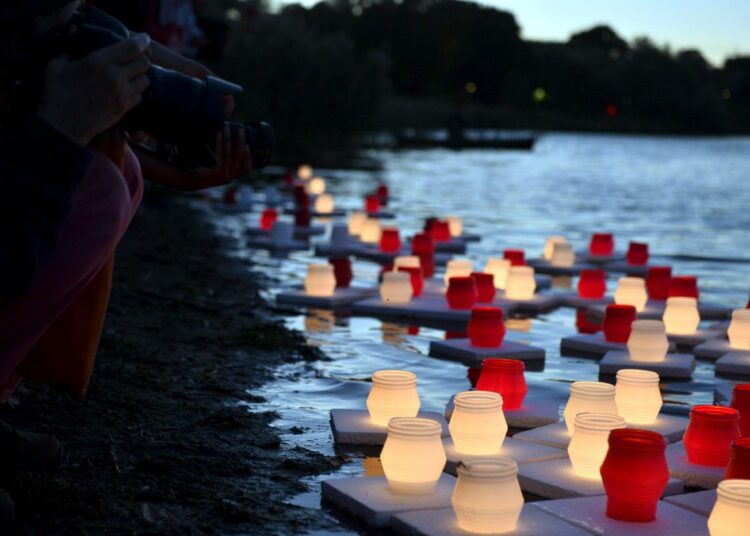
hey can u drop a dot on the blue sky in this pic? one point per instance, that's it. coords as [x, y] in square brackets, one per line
[718, 28]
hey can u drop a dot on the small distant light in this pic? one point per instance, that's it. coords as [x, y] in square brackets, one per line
[471, 88]
[233, 14]
[539, 95]
[611, 110]
[726, 94]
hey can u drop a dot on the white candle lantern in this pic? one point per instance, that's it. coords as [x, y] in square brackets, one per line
[631, 291]
[304, 172]
[339, 236]
[487, 498]
[320, 280]
[370, 231]
[396, 287]
[549, 246]
[281, 232]
[324, 204]
[406, 261]
[648, 341]
[393, 394]
[681, 316]
[316, 186]
[731, 512]
[563, 255]
[455, 225]
[739, 329]
[520, 284]
[478, 426]
[589, 397]
[499, 269]
[637, 396]
[413, 456]
[356, 221]
[457, 268]
[589, 443]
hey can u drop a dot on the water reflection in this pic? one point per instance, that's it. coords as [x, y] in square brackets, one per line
[319, 321]
[564, 282]
[522, 325]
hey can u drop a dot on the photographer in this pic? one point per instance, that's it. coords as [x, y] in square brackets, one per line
[69, 187]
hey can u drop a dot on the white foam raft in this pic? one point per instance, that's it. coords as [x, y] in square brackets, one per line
[342, 297]
[354, 427]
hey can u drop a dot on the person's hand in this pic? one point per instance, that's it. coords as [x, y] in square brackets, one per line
[233, 161]
[86, 97]
[113, 144]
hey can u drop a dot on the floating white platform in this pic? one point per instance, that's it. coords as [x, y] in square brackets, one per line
[572, 299]
[543, 266]
[521, 451]
[654, 310]
[698, 502]
[261, 242]
[369, 498]
[354, 427]
[723, 393]
[584, 257]
[735, 364]
[535, 411]
[342, 297]
[593, 345]
[714, 348]
[636, 270]
[693, 475]
[679, 366]
[540, 303]
[462, 350]
[688, 342]
[422, 308]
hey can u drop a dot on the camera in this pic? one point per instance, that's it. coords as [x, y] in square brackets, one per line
[181, 112]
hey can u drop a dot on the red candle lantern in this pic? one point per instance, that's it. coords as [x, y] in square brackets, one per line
[485, 284]
[739, 459]
[515, 256]
[583, 324]
[417, 280]
[504, 376]
[288, 178]
[634, 474]
[709, 434]
[413, 330]
[637, 253]
[302, 217]
[342, 271]
[684, 286]
[617, 322]
[390, 241]
[461, 293]
[301, 199]
[267, 218]
[423, 247]
[486, 328]
[382, 192]
[441, 231]
[451, 335]
[602, 244]
[592, 284]
[372, 203]
[658, 281]
[741, 402]
[472, 374]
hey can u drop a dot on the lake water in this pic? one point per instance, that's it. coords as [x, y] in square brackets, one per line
[688, 198]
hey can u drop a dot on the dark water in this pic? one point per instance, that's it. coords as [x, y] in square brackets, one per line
[688, 198]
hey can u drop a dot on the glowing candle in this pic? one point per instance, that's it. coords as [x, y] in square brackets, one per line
[589, 442]
[520, 284]
[339, 236]
[393, 394]
[486, 328]
[731, 512]
[637, 254]
[487, 498]
[602, 244]
[302, 217]
[710, 431]
[634, 474]
[281, 232]
[268, 218]
[396, 287]
[478, 425]
[563, 255]
[356, 222]
[505, 377]
[457, 268]
[658, 281]
[320, 280]
[416, 278]
[589, 397]
[684, 286]
[739, 329]
[485, 284]
[342, 271]
[637, 396]
[383, 192]
[631, 291]
[549, 246]
[648, 341]
[413, 456]
[390, 241]
[370, 231]
[455, 225]
[618, 320]
[499, 269]
[423, 247]
[461, 293]
[324, 204]
[592, 284]
[316, 186]
[304, 172]
[741, 402]
[739, 459]
[515, 256]
[406, 261]
[681, 316]
[372, 203]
